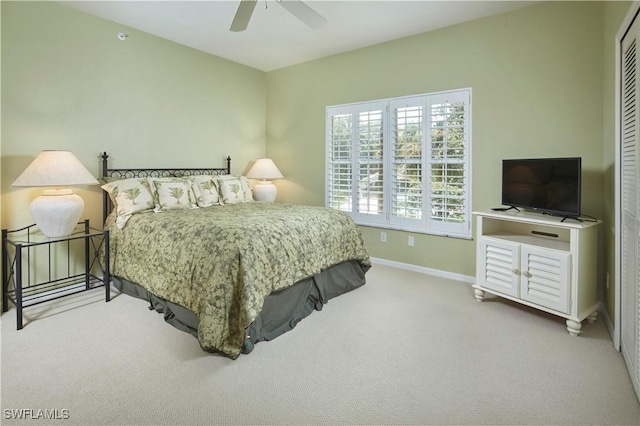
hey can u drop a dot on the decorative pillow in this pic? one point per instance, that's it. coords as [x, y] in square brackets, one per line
[246, 188]
[206, 190]
[172, 193]
[129, 196]
[234, 189]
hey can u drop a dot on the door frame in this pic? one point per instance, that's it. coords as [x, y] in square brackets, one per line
[624, 27]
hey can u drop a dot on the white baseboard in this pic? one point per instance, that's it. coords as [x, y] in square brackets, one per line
[608, 323]
[424, 270]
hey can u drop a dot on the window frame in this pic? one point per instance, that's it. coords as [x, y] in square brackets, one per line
[425, 223]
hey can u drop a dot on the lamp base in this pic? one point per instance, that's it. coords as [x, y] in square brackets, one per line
[57, 211]
[265, 191]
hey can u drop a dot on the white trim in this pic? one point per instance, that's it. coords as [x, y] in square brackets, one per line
[417, 231]
[628, 20]
[624, 27]
[615, 336]
[606, 318]
[424, 270]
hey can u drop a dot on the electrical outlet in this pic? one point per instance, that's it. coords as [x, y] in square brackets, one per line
[411, 241]
[383, 237]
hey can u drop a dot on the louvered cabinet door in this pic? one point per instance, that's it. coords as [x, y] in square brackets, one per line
[499, 266]
[545, 278]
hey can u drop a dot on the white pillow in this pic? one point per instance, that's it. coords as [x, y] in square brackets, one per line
[172, 193]
[129, 196]
[234, 189]
[206, 190]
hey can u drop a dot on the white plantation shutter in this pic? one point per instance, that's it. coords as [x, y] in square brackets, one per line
[355, 161]
[448, 145]
[403, 163]
[370, 163]
[407, 162]
[340, 160]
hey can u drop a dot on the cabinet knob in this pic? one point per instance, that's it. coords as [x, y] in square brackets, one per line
[516, 271]
[527, 274]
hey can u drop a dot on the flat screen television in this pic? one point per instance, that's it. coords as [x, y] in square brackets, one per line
[546, 185]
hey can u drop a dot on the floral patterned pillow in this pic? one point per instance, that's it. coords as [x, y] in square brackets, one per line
[172, 193]
[234, 189]
[129, 196]
[206, 190]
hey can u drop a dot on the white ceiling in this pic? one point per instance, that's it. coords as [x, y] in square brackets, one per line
[275, 38]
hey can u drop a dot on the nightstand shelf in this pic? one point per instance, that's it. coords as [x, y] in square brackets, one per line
[28, 281]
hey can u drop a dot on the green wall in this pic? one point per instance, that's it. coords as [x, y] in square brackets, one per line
[537, 80]
[69, 83]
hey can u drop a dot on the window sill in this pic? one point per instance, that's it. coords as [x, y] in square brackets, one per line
[417, 231]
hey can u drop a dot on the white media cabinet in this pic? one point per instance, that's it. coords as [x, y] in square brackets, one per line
[539, 261]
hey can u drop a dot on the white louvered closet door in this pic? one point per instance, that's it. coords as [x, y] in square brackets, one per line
[630, 204]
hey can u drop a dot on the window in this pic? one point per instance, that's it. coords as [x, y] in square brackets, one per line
[403, 163]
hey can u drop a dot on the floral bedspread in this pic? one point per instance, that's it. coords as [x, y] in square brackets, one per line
[221, 262]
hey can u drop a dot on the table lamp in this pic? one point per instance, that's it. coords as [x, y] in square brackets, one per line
[266, 170]
[57, 211]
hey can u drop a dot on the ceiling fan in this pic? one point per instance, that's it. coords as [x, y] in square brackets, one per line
[296, 7]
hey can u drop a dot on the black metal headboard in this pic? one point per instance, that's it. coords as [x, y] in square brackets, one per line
[142, 173]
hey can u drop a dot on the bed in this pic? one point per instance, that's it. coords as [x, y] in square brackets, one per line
[231, 271]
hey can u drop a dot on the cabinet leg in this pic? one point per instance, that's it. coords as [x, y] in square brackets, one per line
[592, 318]
[574, 327]
[479, 294]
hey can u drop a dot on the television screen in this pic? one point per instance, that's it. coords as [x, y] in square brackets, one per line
[548, 185]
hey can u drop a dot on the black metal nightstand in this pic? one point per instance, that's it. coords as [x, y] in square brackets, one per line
[28, 281]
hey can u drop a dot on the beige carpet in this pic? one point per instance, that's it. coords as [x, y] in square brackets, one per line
[406, 348]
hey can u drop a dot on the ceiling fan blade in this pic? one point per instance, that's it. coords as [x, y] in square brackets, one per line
[243, 14]
[304, 13]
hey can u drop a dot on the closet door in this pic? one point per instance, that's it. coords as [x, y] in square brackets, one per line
[630, 204]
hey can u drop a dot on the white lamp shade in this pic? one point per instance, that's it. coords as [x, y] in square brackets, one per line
[55, 168]
[57, 211]
[264, 168]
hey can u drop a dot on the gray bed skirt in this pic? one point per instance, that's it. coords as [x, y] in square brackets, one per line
[281, 310]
